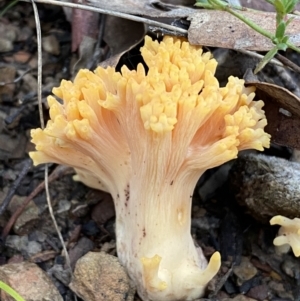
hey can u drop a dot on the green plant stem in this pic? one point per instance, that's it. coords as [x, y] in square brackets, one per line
[293, 46]
[5, 9]
[10, 291]
[259, 29]
[250, 23]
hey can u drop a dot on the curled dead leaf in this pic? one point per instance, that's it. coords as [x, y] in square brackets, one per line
[84, 24]
[283, 113]
[121, 35]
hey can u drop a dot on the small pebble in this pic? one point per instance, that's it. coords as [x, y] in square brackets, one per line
[38, 236]
[259, 292]
[6, 45]
[33, 248]
[22, 57]
[63, 206]
[100, 277]
[245, 271]
[17, 242]
[239, 298]
[51, 45]
[291, 267]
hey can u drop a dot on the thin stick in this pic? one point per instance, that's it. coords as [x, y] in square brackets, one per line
[15, 185]
[57, 172]
[259, 56]
[287, 62]
[39, 42]
[40, 67]
[114, 13]
[16, 79]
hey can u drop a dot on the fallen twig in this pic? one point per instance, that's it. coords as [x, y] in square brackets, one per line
[13, 188]
[172, 28]
[285, 61]
[57, 172]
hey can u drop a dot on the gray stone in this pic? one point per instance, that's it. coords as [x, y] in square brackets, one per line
[267, 186]
[33, 248]
[16, 242]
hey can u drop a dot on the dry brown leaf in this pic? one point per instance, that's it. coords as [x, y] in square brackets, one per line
[208, 27]
[121, 35]
[84, 23]
[86, 53]
[221, 29]
[150, 8]
[283, 113]
[282, 96]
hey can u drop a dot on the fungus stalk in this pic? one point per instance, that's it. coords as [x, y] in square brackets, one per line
[146, 139]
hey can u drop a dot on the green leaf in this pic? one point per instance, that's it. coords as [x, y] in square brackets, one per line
[284, 2]
[280, 30]
[218, 4]
[204, 4]
[290, 6]
[279, 6]
[265, 60]
[202, 1]
[282, 46]
[289, 21]
[285, 39]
